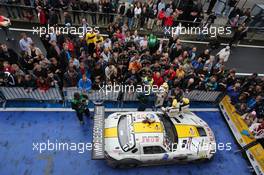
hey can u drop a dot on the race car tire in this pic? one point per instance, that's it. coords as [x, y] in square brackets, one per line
[127, 163]
[201, 160]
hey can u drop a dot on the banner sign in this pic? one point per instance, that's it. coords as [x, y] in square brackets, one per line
[237, 124]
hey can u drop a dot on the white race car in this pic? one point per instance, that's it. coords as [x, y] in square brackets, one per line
[131, 139]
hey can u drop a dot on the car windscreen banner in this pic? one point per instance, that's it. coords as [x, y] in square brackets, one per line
[98, 132]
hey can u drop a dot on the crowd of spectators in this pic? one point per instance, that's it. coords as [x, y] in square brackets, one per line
[125, 57]
[247, 96]
[137, 14]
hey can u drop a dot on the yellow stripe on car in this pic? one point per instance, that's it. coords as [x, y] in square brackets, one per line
[155, 127]
[110, 132]
[185, 131]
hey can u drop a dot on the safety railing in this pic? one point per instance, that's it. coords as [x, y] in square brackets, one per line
[101, 95]
[204, 96]
[93, 95]
[67, 94]
[20, 93]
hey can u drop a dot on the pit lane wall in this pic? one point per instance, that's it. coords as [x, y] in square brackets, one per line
[255, 153]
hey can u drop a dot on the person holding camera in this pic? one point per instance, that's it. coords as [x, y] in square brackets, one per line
[80, 105]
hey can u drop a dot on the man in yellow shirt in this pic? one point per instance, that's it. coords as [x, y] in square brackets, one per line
[90, 38]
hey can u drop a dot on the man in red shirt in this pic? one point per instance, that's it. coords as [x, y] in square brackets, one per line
[4, 24]
[158, 80]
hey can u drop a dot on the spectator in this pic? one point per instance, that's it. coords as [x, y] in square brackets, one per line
[8, 54]
[152, 13]
[75, 5]
[25, 42]
[161, 18]
[137, 12]
[70, 78]
[53, 18]
[29, 83]
[42, 84]
[211, 84]
[67, 19]
[85, 84]
[233, 92]
[157, 79]
[197, 64]
[239, 34]
[130, 15]
[257, 129]
[4, 24]
[42, 16]
[33, 51]
[161, 5]
[180, 72]
[224, 54]
[211, 6]
[111, 73]
[143, 17]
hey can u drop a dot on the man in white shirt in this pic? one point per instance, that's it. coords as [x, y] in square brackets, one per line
[108, 43]
[106, 55]
[137, 12]
[161, 5]
[110, 72]
[224, 53]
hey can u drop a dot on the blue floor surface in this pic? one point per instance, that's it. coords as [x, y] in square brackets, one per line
[18, 130]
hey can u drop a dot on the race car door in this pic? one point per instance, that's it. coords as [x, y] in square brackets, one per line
[152, 154]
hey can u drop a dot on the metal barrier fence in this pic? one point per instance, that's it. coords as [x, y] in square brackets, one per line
[204, 96]
[195, 95]
[66, 95]
[20, 93]
[95, 95]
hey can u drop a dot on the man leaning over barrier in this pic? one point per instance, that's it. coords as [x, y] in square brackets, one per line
[80, 105]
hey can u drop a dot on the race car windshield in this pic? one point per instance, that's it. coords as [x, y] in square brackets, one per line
[125, 135]
[171, 137]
